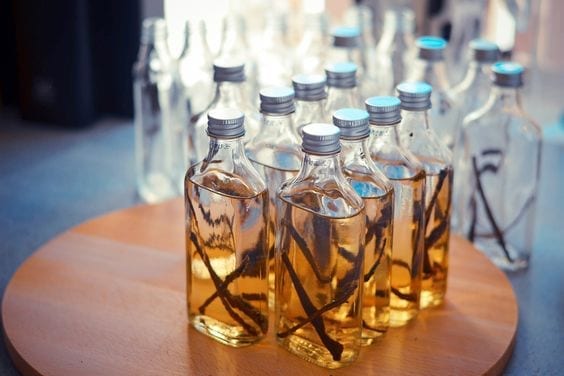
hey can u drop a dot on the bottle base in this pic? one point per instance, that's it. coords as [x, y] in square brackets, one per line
[371, 337]
[516, 260]
[430, 299]
[315, 353]
[400, 318]
[233, 336]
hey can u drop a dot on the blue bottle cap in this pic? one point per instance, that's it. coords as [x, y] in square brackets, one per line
[227, 70]
[352, 122]
[345, 36]
[309, 87]
[321, 139]
[484, 51]
[431, 48]
[507, 74]
[277, 100]
[415, 96]
[384, 110]
[341, 75]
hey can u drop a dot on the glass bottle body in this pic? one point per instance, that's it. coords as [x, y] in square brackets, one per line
[319, 264]
[497, 179]
[160, 124]
[407, 177]
[276, 155]
[308, 112]
[226, 246]
[417, 137]
[338, 98]
[378, 196]
[311, 52]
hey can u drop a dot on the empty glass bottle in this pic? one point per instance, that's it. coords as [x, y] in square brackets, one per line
[407, 176]
[160, 117]
[417, 136]
[311, 52]
[341, 88]
[309, 100]
[275, 153]
[272, 53]
[430, 68]
[377, 193]
[226, 238]
[319, 256]
[497, 172]
[229, 76]
[473, 91]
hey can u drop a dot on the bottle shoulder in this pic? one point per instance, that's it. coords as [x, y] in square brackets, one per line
[394, 161]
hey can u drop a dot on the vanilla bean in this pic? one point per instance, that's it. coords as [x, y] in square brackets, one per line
[365, 325]
[411, 297]
[372, 270]
[474, 216]
[489, 213]
[334, 347]
[254, 296]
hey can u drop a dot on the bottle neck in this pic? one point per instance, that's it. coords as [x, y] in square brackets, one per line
[229, 94]
[318, 166]
[386, 134]
[279, 126]
[505, 98]
[342, 96]
[224, 151]
[435, 73]
[354, 151]
[158, 46]
[418, 120]
[196, 43]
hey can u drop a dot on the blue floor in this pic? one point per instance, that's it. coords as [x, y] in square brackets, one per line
[52, 179]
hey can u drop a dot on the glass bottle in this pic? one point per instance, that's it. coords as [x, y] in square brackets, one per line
[195, 68]
[229, 76]
[310, 98]
[498, 172]
[319, 256]
[276, 154]
[341, 88]
[160, 128]
[430, 68]
[311, 52]
[407, 176]
[377, 193]
[226, 238]
[395, 50]
[417, 136]
[272, 53]
[473, 91]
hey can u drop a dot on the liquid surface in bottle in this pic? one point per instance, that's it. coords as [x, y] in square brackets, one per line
[438, 192]
[226, 245]
[320, 265]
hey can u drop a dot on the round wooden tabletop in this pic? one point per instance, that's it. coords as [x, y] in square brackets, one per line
[108, 298]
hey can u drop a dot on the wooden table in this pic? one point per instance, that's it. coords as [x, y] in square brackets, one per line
[108, 298]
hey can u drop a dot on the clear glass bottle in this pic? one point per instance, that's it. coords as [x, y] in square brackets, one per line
[473, 91]
[276, 154]
[229, 78]
[341, 88]
[319, 256]
[160, 128]
[377, 193]
[395, 50]
[498, 172]
[430, 67]
[348, 46]
[310, 98]
[417, 136]
[311, 52]
[272, 53]
[226, 238]
[407, 176]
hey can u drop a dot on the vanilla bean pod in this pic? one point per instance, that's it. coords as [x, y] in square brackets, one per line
[372, 270]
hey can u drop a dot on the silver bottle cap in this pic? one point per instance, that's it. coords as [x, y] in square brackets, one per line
[431, 48]
[341, 75]
[484, 51]
[415, 96]
[309, 87]
[384, 110]
[507, 74]
[352, 122]
[277, 100]
[348, 37]
[228, 70]
[321, 139]
[154, 28]
[226, 123]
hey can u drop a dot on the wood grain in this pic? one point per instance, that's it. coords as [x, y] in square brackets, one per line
[108, 298]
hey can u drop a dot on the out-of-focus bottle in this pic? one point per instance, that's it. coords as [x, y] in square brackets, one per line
[497, 173]
[417, 136]
[430, 68]
[160, 117]
[226, 238]
[229, 77]
[342, 91]
[272, 55]
[395, 51]
[377, 193]
[311, 52]
[473, 91]
[276, 154]
[407, 176]
[310, 98]
[319, 256]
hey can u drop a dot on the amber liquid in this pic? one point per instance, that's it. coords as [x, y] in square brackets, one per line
[407, 250]
[319, 265]
[226, 247]
[274, 177]
[438, 192]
